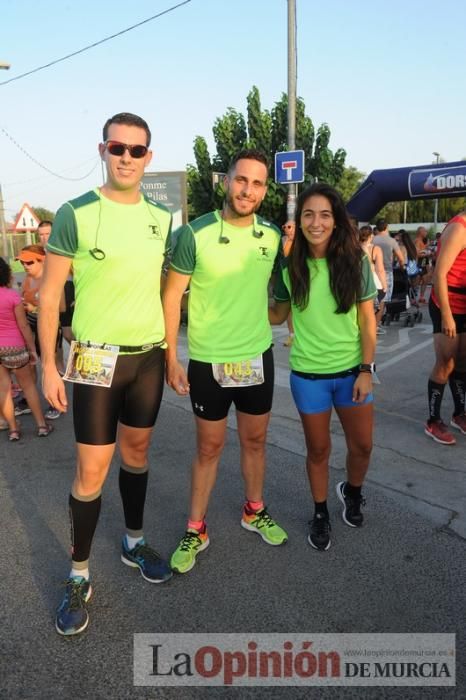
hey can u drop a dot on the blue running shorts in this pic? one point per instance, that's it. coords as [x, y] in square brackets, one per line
[317, 395]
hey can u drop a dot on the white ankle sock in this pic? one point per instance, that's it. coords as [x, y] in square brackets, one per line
[133, 541]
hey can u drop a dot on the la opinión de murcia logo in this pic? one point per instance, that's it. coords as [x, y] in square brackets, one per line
[294, 659]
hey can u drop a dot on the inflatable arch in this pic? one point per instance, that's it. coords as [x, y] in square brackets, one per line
[399, 184]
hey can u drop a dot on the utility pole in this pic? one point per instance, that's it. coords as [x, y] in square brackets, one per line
[292, 71]
[5, 251]
[3, 66]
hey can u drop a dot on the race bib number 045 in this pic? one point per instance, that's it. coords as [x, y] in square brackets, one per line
[91, 363]
[238, 374]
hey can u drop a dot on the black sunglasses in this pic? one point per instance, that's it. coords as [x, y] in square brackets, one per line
[116, 148]
[31, 262]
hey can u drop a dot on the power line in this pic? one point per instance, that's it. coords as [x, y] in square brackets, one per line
[41, 179]
[97, 43]
[44, 167]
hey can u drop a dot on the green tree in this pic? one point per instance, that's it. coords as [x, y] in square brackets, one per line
[201, 194]
[267, 131]
[349, 182]
[43, 214]
[447, 208]
[391, 212]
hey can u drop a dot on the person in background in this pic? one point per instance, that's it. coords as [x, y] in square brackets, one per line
[32, 258]
[288, 229]
[424, 260]
[44, 230]
[17, 351]
[327, 283]
[447, 308]
[390, 250]
[375, 255]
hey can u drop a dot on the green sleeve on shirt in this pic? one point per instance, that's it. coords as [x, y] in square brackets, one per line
[279, 258]
[184, 254]
[368, 289]
[64, 237]
[280, 291]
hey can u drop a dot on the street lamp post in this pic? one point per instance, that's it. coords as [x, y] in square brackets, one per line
[437, 156]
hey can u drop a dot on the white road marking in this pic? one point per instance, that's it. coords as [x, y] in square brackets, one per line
[402, 355]
[403, 339]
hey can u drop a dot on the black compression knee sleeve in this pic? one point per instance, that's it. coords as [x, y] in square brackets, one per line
[435, 394]
[133, 488]
[84, 514]
[457, 382]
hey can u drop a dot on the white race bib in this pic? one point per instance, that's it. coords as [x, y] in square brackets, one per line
[91, 363]
[238, 374]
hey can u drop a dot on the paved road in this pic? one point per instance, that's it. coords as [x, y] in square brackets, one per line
[403, 572]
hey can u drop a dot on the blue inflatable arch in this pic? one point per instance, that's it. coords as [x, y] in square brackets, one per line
[400, 184]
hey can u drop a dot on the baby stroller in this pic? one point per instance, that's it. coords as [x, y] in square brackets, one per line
[403, 305]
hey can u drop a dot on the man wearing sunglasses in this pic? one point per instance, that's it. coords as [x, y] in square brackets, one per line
[227, 257]
[116, 240]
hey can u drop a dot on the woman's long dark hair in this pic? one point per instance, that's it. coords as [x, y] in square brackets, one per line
[5, 273]
[408, 243]
[344, 254]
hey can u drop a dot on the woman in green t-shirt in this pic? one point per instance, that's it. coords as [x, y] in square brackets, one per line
[327, 283]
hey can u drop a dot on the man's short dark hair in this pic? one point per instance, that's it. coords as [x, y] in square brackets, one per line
[380, 225]
[44, 222]
[129, 120]
[249, 154]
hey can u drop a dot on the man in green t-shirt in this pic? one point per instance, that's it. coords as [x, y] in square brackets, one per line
[116, 240]
[227, 259]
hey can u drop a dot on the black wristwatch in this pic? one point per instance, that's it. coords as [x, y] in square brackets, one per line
[369, 368]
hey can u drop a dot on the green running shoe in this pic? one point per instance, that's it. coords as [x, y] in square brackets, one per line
[184, 556]
[264, 525]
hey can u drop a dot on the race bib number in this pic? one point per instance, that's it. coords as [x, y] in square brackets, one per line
[238, 374]
[90, 363]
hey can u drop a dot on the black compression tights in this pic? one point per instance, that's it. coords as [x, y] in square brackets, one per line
[133, 399]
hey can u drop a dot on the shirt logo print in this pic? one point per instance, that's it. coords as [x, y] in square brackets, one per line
[155, 231]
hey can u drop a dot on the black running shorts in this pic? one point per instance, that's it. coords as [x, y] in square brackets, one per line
[212, 402]
[436, 316]
[133, 399]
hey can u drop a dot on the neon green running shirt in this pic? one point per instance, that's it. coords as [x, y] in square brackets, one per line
[324, 341]
[228, 299]
[117, 298]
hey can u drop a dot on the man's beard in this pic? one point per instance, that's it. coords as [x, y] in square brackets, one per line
[241, 213]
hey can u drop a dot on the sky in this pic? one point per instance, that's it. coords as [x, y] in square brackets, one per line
[385, 76]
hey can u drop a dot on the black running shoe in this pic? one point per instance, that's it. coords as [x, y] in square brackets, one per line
[319, 532]
[351, 513]
[22, 407]
[151, 565]
[72, 616]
